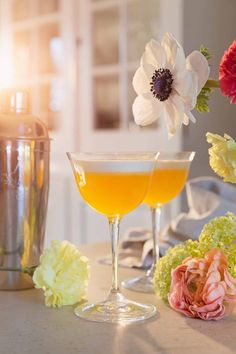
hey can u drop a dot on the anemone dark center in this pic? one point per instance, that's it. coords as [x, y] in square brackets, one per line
[161, 84]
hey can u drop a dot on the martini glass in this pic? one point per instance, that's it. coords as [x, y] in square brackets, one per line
[113, 185]
[167, 182]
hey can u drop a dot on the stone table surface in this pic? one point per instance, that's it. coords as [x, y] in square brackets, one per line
[27, 326]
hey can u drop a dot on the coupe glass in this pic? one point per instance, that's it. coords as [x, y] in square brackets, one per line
[114, 185]
[167, 182]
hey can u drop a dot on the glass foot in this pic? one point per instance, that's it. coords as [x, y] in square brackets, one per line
[116, 309]
[140, 284]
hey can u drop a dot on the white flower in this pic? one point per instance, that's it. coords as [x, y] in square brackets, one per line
[167, 83]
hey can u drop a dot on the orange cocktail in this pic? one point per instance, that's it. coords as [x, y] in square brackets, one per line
[113, 193]
[114, 184]
[167, 182]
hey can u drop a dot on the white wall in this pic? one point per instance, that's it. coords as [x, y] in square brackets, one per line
[211, 23]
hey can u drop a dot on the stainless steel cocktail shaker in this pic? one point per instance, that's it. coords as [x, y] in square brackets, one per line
[24, 185]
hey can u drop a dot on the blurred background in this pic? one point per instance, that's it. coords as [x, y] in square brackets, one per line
[77, 59]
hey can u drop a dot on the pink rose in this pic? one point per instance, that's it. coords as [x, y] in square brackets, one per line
[203, 288]
[227, 73]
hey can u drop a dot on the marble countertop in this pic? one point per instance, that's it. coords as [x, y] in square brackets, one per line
[27, 326]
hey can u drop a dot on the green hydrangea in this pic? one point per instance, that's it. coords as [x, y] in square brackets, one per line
[219, 232]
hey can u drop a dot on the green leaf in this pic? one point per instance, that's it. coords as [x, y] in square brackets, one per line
[205, 51]
[203, 97]
[202, 100]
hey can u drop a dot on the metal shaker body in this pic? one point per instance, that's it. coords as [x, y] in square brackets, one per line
[24, 187]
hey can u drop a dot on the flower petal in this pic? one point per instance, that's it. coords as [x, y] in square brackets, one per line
[231, 286]
[190, 100]
[174, 53]
[188, 116]
[62, 274]
[185, 83]
[198, 63]
[141, 83]
[174, 114]
[154, 54]
[148, 69]
[215, 138]
[146, 109]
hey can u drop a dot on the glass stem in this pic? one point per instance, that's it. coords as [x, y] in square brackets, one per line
[156, 230]
[114, 225]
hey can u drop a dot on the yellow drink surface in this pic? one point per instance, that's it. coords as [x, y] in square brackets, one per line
[113, 193]
[165, 185]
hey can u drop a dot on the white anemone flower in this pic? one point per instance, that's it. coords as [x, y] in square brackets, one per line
[167, 84]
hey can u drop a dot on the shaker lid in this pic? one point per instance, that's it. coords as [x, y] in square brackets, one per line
[15, 120]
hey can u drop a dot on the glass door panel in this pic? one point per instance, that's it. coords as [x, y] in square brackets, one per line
[105, 35]
[21, 9]
[48, 6]
[49, 48]
[106, 102]
[51, 103]
[22, 54]
[142, 25]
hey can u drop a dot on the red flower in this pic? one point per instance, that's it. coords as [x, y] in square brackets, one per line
[227, 73]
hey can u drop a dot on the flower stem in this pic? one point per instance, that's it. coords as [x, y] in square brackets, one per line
[212, 83]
